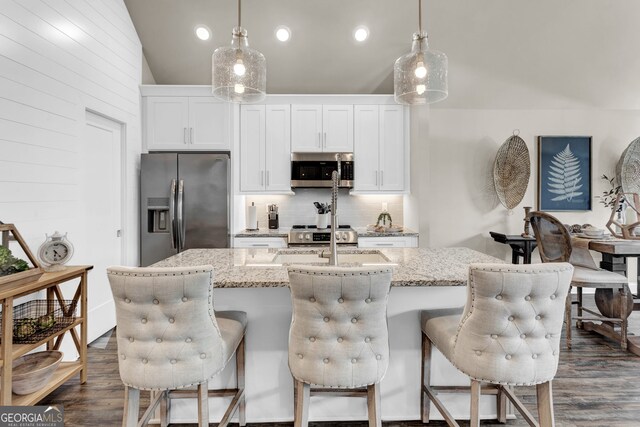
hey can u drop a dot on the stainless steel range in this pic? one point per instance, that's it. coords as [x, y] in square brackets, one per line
[310, 235]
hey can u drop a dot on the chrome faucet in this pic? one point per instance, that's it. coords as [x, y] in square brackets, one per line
[335, 180]
[333, 247]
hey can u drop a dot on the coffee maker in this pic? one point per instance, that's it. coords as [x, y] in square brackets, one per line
[274, 222]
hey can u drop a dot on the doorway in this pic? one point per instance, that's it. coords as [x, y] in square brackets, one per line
[102, 160]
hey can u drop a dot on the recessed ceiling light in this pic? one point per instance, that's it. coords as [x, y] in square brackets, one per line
[203, 32]
[361, 33]
[283, 33]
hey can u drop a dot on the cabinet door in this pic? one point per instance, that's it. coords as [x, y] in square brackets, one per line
[260, 242]
[252, 142]
[337, 128]
[392, 148]
[365, 148]
[278, 148]
[209, 124]
[167, 122]
[306, 129]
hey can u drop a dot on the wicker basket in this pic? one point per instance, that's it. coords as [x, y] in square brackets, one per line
[35, 320]
[31, 372]
[511, 171]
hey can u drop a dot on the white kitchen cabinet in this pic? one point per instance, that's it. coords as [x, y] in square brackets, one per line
[322, 128]
[265, 148]
[388, 242]
[379, 149]
[186, 123]
[260, 242]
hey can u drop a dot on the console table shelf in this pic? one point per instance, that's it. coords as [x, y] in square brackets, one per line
[9, 351]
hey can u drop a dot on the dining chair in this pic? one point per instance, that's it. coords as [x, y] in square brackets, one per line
[507, 335]
[555, 245]
[338, 338]
[171, 340]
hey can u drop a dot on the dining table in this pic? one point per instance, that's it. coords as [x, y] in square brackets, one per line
[615, 255]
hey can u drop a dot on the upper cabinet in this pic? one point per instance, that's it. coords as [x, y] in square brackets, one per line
[380, 153]
[265, 148]
[321, 128]
[186, 123]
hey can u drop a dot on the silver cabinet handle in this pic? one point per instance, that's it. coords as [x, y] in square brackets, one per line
[381, 178]
[376, 172]
[184, 136]
[261, 178]
[319, 140]
[267, 178]
[191, 135]
[325, 140]
[260, 244]
[384, 244]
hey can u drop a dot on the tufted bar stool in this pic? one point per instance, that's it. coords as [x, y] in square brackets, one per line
[338, 339]
[169, 338]
[507, 334]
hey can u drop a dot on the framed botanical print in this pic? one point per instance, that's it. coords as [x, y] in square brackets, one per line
[564, 173]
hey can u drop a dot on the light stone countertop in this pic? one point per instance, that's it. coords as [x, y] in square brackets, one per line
[258, 268]
[363, 232]
[264, 232]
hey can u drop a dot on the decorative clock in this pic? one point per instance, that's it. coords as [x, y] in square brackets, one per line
[55, 252]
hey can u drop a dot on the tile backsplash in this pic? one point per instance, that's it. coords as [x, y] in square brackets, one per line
[357, 211]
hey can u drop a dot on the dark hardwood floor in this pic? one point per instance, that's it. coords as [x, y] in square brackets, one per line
[597, 384]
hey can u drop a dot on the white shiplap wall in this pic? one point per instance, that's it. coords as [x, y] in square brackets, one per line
[59, 58]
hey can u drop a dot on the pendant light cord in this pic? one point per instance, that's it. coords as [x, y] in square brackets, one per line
[239, 13]
[420, 16]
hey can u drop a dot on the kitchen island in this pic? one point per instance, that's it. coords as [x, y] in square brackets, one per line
[256, 281]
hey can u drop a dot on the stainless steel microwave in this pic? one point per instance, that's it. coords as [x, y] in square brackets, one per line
[313, 170]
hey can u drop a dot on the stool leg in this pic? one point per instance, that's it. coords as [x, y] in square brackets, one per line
[165, 410]
[579, 292]
[501, 405]
[131, 407]
[301, 416]
[240, 365]
[545, 404]
[425, 402]
[203, 404]
[374, 406]
[475, 404]
[567, 314]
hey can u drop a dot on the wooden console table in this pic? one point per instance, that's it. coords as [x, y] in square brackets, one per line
[520, 246]
[10, 351]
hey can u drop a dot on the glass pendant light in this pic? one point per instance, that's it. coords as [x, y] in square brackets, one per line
[239, 73]
[420, 76]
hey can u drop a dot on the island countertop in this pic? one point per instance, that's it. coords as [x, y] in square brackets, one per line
[259, 268]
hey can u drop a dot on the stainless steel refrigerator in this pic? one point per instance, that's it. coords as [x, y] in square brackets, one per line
[184, 204]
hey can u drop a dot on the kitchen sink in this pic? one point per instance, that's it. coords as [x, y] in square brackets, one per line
[359, 258]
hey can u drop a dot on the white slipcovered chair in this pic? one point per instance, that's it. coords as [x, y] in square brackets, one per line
[338, 337]
[507, 334]
[170, 338]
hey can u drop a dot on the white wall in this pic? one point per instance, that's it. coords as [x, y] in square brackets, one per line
[58, 59]
[459, 206]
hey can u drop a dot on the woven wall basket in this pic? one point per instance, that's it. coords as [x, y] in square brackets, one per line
[511, 171]
[628, 168]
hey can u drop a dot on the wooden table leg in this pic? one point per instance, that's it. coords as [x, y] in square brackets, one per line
[7, 349]
[83, 327]
[623, 311]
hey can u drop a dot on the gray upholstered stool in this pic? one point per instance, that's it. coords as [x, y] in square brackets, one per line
[508, 334]
[338, 337]
[170, 338]
[555, 245]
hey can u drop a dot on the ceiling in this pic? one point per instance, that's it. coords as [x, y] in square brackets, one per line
[502, 53]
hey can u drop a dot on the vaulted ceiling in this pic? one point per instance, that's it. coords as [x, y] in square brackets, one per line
[502, 53]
